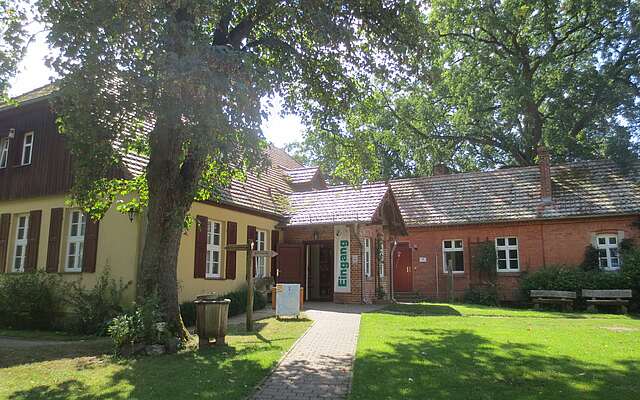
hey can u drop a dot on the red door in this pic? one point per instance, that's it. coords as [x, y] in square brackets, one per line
[402, 269]
[290, 265]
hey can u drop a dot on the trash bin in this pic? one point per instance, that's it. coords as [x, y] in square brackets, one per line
[211, 319]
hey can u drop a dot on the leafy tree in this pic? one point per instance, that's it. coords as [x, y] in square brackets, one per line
[498, 79]
[182, 81]
[12, 41]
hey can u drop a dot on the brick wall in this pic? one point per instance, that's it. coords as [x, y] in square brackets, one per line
[540, 243]
[363, 289]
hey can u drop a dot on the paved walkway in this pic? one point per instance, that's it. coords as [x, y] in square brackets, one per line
[319, 366]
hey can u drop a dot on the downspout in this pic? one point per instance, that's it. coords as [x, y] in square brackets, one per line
[392, 262]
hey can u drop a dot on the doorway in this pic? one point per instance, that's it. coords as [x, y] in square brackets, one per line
[403, 269]
[319, 262]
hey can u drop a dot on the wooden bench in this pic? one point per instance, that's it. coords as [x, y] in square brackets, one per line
[618, 298]
[565, 298]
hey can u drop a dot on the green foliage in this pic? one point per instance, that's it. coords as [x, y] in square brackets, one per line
[138, 326]
[239, 301]
[31, 300]
[492, 82]
[188, 313]
[12, 41]
[484, 259]
[93, 309]
[237, 306]
[487, 296]
[591, 259]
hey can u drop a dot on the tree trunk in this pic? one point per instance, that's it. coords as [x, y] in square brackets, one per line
[158, 277]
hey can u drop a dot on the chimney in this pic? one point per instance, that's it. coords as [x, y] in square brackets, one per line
[440, 169]
[545, 175]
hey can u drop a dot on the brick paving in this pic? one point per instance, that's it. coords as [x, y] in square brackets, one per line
[319, 366]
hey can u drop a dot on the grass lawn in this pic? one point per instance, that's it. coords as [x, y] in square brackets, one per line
[85, 370]
[439, 351]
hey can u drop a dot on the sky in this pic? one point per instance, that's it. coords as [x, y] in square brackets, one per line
[33, 73]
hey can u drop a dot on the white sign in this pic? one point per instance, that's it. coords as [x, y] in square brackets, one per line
[423, 259]
[342, 266]
[288, 300]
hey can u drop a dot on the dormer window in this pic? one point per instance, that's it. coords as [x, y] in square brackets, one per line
[27, 148]
[4, 152]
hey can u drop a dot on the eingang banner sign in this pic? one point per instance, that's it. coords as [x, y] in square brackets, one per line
[342, 262]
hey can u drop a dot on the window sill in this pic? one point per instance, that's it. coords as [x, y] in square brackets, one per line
[509, 273]
[70, 272]
[214, 278]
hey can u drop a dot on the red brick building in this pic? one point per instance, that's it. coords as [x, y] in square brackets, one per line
[531, 216]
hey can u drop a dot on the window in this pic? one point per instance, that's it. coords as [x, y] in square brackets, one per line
[608, 252]
[4, 152]
[508, 259]
[27, 148]
[20, 248]
[261, 262]
[453, 255]
[366, 257]
[75, 241]
[213, 249]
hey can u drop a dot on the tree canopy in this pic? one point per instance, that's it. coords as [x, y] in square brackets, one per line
[496, 80]
[12, 41]
[182, 82]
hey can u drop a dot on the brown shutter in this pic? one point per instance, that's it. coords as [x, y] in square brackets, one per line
[200, 258]
[232, 238]
[275, 239]
[5, 227]
[15, 147]
[90, 245]
[55, 236]
[33, 239]
[251, 238]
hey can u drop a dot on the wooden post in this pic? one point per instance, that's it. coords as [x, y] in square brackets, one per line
[450, 275]
[249, 265]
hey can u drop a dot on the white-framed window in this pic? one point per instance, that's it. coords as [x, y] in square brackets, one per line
[380, 255]
[4, 152]
[453, 255]
[75, 241]
[366, 257]
[261, 262]
[608, 252]
[20, 247]
[214, 237]
[507, 254]
[27, 148]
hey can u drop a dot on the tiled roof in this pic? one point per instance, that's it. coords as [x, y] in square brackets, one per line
[336, 204]
[302, 175]
[590, 188]
[32, 95]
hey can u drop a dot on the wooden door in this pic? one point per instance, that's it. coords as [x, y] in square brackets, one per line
[403, 269]
[326, 272]
[290, 264]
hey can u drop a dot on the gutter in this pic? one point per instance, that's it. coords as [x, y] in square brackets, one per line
[392, 257]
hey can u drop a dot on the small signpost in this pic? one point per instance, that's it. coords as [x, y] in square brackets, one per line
[251, 255]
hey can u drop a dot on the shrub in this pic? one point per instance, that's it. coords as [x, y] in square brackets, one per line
[188, 312]
[554, 278]
[31, 300]
[591, 259]
[239, 301]
[138, 326]
[484, 259]
[92, 309]
[487, 296]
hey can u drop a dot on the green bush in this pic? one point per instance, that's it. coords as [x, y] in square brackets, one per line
[188, 312]
[239, 301]
[237, 306]
[91, 310]
[554, 278]
[136, 327]
[31, 300]
[487, 296]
